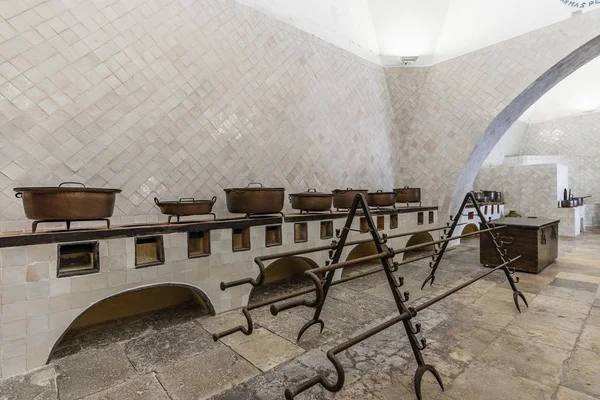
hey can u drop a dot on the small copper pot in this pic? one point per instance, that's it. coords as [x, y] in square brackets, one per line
[381, 199]
[311, 200]
[185, 207]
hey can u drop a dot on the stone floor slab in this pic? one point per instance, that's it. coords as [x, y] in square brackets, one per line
[483, 382]
[543, 302]
[526, 359]
[579, 277]
[581, 372]
[590, 338]
[568, 394]
[145, 387]
[91, 371]
[39, 385]
[266, 350]
[206, 374]
[163, 347]
[542, 334]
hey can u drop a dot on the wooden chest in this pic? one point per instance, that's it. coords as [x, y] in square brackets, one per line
[534, 239]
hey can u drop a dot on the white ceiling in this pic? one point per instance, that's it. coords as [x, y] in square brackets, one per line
[382, 31]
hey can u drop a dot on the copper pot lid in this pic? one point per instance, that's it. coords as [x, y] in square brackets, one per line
[349, 190]
[186, 201]
[61, 188]
[312, 193]
[406, 188]
[381, 192]
[255, 188]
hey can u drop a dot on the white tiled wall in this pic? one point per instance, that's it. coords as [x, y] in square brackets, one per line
[174, 98]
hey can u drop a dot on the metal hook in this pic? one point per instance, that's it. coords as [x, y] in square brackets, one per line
[254, 282]
[419, 376]
[400, 282]
[319, 298]
[416, 329]
[308, 325]
[320, 379]
[245, 330]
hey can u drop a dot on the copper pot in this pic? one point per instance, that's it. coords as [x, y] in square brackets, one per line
[479, 196]
[67, 203]
[381, 199]
[343, 198]
[499, 197]
[490, 194]
[408, 195]
[185, 207]
[255, 200]
[311, 200]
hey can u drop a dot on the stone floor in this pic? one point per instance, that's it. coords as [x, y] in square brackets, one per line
[481, 345]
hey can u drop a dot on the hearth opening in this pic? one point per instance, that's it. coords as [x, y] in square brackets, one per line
[130, 314]
[394, 221]
[327, 230]
[149, 251]
[470, 228]
[380, 222]
[273, 236]
[431, 217]
[240, 240]
[77, 259]
[283, 276]
[198, 244]
[301, 232]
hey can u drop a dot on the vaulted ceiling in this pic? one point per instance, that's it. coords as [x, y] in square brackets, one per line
[383, 31]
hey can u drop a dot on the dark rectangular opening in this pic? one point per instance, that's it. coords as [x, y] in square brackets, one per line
[485, 210]
[471, 215]
[149, 251]
[431, 217]
[420, 218]
[364, 225]
[198, 244]
[326, 229]
[380, 222]
[394, 221]
[78, 259]
[240, 240]
[301, 232]
[273, 236]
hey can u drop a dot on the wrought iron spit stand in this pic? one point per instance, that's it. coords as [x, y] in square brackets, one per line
[385, 254]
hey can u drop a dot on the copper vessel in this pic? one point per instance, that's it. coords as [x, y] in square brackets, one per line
[408, 195]
[186, 207]
[343, 198]
[381, 199]
[311, 200]
[490, 194]
[255, 200]
[67, 203]
[479, 196]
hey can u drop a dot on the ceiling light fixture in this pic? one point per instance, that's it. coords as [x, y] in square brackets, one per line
[409, 60]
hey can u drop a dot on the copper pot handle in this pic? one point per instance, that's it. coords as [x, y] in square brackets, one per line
[312, 190]
[255, 183]
[406, 187]
[187, 199]
[156, 201]
[19, 195]
[71, 183]
[380, 191]
[214, 199]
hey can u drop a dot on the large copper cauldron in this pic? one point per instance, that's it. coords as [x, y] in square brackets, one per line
[186, 207]
[48, 204]
[343, 198]
[255, 200]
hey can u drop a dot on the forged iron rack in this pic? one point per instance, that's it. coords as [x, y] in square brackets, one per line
[385, 254]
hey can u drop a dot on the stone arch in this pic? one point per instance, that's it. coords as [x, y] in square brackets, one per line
[514, 110]
[195, 291]
[470, 228]
[287, 267]
[416, 239]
